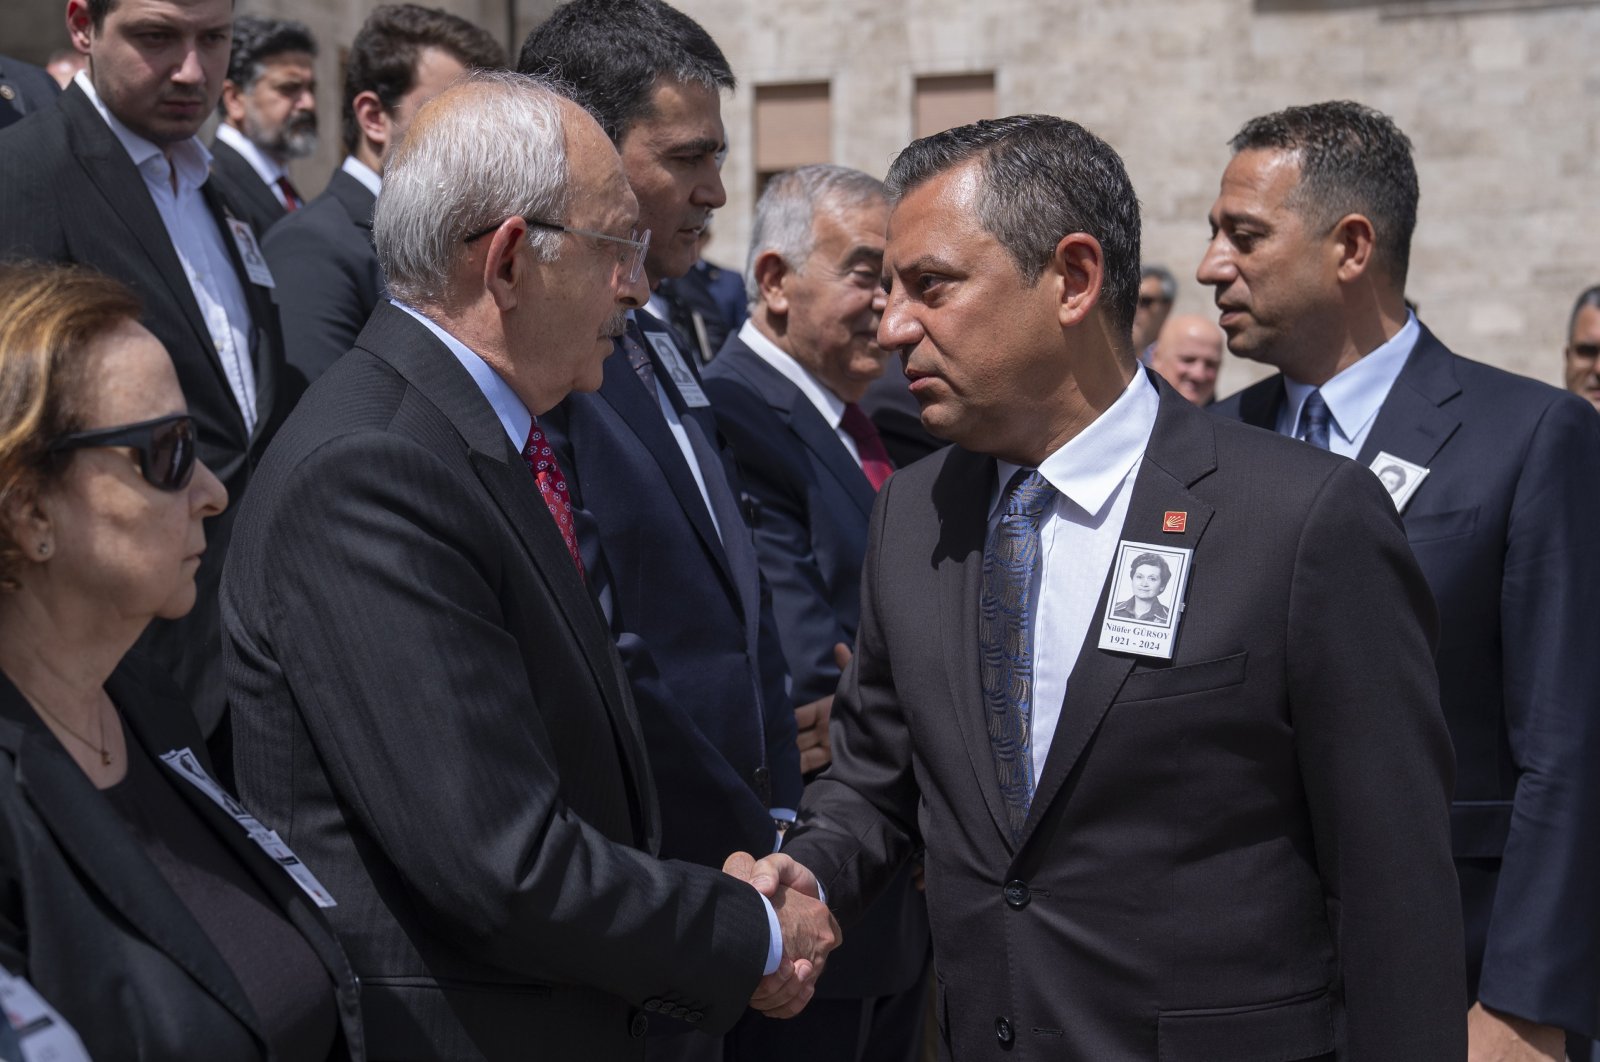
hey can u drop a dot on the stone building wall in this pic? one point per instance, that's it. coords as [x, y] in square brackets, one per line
[1500, 97]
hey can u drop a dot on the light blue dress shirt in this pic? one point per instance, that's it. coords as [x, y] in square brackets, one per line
[1354, 395]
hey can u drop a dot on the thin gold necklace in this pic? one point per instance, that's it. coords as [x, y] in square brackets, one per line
[105, 753]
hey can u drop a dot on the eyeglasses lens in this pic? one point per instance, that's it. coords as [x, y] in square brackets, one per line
[169, 464]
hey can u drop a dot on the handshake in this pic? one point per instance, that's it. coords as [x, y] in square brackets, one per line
[809, 930]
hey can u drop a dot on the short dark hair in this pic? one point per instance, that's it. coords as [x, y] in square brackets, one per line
[609, 55]
[1169, 283]
[1154, 560]
[383, 57]
[1590, 298]
[255, 40]
[1043, 178]
[1353, 160]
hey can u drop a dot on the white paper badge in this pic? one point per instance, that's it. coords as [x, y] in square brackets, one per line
[678, 369]
[1146, 599]
[1399, 477]
[43, 1035]
[187, 766]
[255, 266]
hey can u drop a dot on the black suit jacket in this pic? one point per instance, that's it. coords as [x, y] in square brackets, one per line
[73, 195]
[255, 201]
[812, 503]
[1502, 528]
[428, 707]
[24, 88]
[694, 627]
[1241, 853]
[90, 921]
[327, 271]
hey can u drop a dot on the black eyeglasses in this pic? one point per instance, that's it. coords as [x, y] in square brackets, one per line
[630, 263]
[165, 447]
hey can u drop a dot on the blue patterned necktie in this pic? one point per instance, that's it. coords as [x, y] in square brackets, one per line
[1005, 637]
[1314, 420]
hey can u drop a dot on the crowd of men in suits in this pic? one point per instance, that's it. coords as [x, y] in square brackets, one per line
[564, 594]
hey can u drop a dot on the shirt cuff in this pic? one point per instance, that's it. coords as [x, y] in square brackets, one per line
[774, 939]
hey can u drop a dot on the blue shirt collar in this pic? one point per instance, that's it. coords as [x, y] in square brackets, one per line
[1355, 394]
[514, 416]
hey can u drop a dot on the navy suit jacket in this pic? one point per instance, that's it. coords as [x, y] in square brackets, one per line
[1502, 528]
[695, 631]
[812, 506]
[327, 271]
[31, 89]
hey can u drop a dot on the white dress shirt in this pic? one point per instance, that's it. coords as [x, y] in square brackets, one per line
[830, 405]
[1355, 395]
[1093, 474]
[363, 173]
[198, 243]
[269, 171]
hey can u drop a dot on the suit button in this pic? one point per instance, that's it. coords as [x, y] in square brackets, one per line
[1017, 894]
[763, 782]
[680, 1012]
[694, 1017]
[652, 1005]
[1002, 1032]
[638, 1026]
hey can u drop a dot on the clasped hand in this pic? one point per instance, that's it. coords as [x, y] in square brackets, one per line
[809, 930]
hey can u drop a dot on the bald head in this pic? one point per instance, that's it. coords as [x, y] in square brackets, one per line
[1188, 355]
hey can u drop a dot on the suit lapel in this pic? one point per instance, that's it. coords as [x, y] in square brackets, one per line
[961, 499]
[258, 299]
[1412, 422]
[1182, 450]
[424, 361]
[122, 185]
[92, 836]
[1259, 405]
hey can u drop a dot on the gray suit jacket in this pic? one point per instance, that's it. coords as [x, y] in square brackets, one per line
[1240, 853]
[429, 708]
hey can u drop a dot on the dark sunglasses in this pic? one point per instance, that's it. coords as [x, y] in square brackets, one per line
[1585, 351]
[165, 447]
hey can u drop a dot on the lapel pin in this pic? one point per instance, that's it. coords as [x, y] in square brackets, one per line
[1174, 523]
[7, 93]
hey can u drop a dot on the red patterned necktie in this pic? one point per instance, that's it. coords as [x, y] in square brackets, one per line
[869, 444]
[291, 198]
[553, 488]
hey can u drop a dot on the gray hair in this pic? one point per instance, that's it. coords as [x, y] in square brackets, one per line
[504, 155]
[787, 210]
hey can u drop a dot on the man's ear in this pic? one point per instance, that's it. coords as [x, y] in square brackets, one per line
[232, 102]
[371, 118]
[1353, 242]
[1077, 269]
[771, 271]
[80, 25]
[510, 260]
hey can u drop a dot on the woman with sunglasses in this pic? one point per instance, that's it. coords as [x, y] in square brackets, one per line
[137, 898]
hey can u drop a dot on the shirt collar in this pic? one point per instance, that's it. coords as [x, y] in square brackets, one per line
[830, 405]
[189, 158]
[268, 170]
[363, 173]
[1089, 468]
[514, 416]
[1355, 394]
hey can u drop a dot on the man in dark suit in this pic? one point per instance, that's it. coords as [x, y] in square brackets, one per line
[1500, 498]
[113, 177]
[429, 705]
[706, 305]
[24, 88]
[1226, 840]
[328, 275]
[785, 390]
[269, 116]
[1582, 354]
[659, 512]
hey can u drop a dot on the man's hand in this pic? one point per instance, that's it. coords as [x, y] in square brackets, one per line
[811, 720]
[808, 927]
[1496, 1037]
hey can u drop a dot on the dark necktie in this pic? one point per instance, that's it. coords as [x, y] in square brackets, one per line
[1005, 637]
[1314, 420]
[869, 444]
[291, 198]
[553, 488]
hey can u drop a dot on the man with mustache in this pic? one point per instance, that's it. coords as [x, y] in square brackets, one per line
[114, 177]
[659, 515]
[269, 116]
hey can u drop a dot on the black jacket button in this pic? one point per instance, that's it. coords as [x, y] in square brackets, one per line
[1002, 1032]
[694, 1017]
[638, 1026]
[652, 1005]
[1017, 894]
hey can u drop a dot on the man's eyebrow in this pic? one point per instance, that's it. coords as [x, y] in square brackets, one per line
[862, 252]
[1241, 217]
[705, 145]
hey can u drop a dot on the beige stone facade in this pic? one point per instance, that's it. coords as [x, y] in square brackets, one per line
[1500, 97]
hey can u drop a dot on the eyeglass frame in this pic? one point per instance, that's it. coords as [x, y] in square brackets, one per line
[640, 239]
[140, 437]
